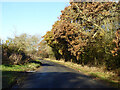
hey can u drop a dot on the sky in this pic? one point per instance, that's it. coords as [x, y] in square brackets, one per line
[33, 18]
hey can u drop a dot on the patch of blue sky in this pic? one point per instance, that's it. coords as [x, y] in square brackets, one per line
[29, 17]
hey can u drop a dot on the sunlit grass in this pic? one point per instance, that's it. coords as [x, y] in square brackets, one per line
[26, 67]
[13, 73]
[30, 66]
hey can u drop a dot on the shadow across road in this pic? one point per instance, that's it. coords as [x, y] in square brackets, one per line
[47, 65]
[52, 75]
[60, 80]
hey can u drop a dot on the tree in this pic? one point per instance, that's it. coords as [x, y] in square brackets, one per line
[85, 31]
[20, 49]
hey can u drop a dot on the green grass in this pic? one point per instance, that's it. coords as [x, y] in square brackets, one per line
[115, 84]
[12, 74]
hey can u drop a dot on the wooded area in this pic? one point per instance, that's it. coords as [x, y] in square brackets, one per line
[86, 37]
[88, 33]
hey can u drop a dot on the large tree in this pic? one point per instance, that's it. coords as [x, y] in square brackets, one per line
[85, 31]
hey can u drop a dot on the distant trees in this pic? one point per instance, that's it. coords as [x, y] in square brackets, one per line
[45, 51]
[85, 32]
[20, 49]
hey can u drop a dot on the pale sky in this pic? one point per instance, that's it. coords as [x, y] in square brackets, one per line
[28, 17]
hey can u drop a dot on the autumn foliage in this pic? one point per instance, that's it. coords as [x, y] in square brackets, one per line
[87, 33]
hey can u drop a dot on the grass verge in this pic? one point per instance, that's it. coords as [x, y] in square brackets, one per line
[110, 78]
[12, 74]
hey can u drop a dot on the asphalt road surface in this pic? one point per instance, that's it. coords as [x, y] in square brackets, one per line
[53, 75]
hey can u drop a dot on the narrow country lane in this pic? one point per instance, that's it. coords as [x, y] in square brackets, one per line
[52, 75]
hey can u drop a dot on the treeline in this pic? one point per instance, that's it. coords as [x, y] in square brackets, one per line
[88, 33]
[20, 49]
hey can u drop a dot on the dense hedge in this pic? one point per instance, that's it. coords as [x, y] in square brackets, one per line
[13, 56]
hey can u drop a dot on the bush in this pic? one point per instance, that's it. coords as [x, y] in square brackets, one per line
[13, 56]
